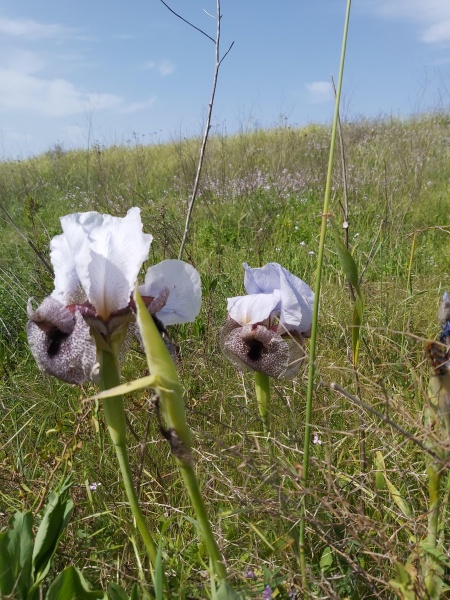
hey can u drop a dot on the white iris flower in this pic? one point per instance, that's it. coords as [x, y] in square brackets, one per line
[96, 261]
[266, 328]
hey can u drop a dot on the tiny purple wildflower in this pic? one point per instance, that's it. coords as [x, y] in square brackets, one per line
[267, 593]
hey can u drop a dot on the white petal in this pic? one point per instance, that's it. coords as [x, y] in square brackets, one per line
[108, 253]
[263, 280]
[254, 308]
[297, 301]
[297, 298]
[67, 282]
[185, 292]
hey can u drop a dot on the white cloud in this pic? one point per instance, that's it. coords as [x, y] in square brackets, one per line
[137, 106]
[164, 67]
[25, 88]
[319, 91]
[438, 33]
[24, 92]
[29, 29]
[22, 61]
[21, 91]
[432, 16]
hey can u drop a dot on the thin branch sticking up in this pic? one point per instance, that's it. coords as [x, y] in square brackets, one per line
[188, 22]
[218, 63]
[385, 419]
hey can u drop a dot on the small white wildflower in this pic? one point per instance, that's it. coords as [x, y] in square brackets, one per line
[311, 252]
[302, 243]
[316, 439]
[94, 486]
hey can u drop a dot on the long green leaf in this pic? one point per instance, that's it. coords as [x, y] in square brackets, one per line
[150, 381]
[71, 585]
[395, 494]
[404, 585]
[56, 517]
[226, 592]
[116, 592]
[134, 592]
[16, 546]
[351, 271]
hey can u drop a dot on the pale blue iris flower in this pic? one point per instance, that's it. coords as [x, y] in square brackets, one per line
[266, 328]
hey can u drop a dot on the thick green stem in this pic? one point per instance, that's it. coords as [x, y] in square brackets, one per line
[193, 488]
[172, 407]
[115, 419]
[312, 354]
[262, 388]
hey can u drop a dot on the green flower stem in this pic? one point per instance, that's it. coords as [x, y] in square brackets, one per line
[193, 488]
[168, 388]
[312, 354]
[262, 388]
[115, 419]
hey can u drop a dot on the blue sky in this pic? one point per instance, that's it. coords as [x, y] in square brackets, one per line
[78, 73]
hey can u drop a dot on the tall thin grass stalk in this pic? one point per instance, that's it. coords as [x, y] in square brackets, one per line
[410, 264]
[432, 579]
[314, 328]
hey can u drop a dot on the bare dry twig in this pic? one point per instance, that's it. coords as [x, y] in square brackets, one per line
[385, 419]
[218, 63]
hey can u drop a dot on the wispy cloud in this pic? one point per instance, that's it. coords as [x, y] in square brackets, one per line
[25, 88]
[319, 91]
[28, 84]
[137, 106]
[438, 33]
[432, 16]
[21, 91]
[29, 29]
[164, 67]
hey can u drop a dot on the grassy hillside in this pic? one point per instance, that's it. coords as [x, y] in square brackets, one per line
[260, 201]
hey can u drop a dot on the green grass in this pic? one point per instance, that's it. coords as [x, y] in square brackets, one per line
[261, 199]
